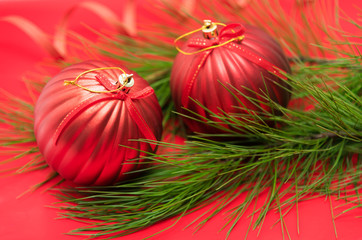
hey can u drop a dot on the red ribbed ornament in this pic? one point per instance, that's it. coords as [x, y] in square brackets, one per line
[236, 56]
[79, 128]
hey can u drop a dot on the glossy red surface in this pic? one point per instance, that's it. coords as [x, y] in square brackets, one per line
[33, 217]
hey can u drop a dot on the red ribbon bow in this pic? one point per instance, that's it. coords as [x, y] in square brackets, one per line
[233, 30]
[120, 95]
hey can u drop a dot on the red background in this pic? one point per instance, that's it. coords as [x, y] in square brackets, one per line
[32, 216]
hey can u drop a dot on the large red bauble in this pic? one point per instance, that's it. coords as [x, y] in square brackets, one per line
[215, 77]
[90, 148]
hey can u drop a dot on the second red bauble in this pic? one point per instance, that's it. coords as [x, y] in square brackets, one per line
[217, 65]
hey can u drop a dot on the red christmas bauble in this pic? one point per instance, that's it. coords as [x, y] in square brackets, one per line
[82, 127]
[216, 67]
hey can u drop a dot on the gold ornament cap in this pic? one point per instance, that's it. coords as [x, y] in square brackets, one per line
[209, 29]
[126, 81]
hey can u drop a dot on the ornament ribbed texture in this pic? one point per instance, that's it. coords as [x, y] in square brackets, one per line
[226, 66]
[87, 151]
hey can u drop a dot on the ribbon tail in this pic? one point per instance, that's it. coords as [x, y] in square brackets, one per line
[147, 91]
[254, 58]
[35, 33]
[141, 123]
[60, 41]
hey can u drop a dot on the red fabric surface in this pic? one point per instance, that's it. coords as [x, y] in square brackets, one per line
[32, 216]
